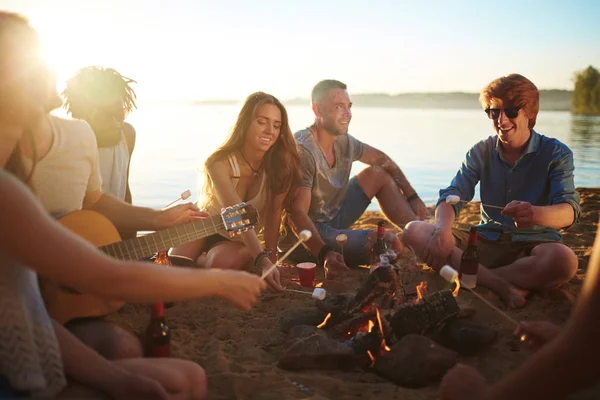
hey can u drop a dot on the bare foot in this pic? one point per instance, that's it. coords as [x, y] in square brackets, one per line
[512, 297]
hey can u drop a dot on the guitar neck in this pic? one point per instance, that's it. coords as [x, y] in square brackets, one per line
[148, 245]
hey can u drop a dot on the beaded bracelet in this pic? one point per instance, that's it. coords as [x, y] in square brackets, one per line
[258, 260]
[322, 253]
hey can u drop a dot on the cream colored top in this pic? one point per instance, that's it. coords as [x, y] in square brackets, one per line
[259, 201]
[70, 169]
[113, 168]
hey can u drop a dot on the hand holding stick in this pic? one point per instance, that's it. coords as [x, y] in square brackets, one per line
[454, 199]
[303, 237]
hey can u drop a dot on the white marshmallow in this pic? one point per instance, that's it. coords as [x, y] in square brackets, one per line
[341, 238]
[305, 235]
[186, 195]
[449, 273]
[319, 293]
[453, 199]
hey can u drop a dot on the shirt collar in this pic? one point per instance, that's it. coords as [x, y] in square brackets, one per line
[533, 145]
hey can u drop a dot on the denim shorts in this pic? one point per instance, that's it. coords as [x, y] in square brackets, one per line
[354, 205]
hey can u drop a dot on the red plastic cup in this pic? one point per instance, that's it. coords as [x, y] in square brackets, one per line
[306, 273]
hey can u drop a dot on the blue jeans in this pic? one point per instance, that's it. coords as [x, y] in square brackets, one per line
[355, 204]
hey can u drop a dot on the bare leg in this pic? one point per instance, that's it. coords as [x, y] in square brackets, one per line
[108, 339]
[180, 378]
[190, 250]
[227, 255]
[417, 234]
[376, 182]
[549, 265]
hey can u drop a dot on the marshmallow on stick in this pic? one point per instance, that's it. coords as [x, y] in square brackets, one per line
[341, 239]
[318, 293]
[454, 199]
[303, 237]
[185, 195]
[451, 275]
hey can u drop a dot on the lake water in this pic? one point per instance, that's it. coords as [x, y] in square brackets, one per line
[428, 144]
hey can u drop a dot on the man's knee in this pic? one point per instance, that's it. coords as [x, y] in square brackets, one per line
[375, 173]
[560, 262]
[415, 232]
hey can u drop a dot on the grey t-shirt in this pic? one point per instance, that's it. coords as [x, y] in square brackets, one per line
[328, 184]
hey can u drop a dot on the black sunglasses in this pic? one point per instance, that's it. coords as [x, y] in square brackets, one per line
[494, 113]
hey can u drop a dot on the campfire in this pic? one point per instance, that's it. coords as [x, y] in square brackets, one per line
[382, 328]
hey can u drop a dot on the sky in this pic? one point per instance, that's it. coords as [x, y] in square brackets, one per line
[198, 49]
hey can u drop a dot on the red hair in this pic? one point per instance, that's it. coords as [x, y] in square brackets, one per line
[513, 90]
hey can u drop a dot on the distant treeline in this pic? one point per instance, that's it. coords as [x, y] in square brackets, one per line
[550, 100]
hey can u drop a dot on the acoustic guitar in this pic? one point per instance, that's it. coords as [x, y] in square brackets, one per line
[64, 304]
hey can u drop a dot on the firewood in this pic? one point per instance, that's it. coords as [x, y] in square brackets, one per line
[382, 289]
[424, 315]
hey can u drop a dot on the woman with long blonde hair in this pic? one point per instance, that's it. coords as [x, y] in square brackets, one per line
[257, 164]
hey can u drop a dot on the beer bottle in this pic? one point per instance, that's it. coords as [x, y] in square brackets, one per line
[380, 246]
[157, 341]
[469, 262]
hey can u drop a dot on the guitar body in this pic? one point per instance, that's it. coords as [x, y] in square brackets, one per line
[63, 304]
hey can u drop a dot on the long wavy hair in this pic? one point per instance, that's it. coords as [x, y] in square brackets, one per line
[281, 161]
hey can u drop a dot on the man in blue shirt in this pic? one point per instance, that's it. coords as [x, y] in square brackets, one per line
[530, 177]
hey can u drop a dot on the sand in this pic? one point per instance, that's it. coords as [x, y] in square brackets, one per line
[239, 350]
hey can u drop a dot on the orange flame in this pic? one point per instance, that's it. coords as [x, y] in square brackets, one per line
[455, 292]
[383, 344]
[322, 324]
[421, 290]
[371, 357]
[371, 325]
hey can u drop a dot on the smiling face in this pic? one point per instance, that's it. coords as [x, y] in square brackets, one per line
[512, 132]
[264, 128]
[334, 112]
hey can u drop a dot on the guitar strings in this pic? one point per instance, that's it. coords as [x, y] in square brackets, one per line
[148, 249]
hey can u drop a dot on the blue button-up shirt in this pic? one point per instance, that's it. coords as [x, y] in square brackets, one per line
[542, 176]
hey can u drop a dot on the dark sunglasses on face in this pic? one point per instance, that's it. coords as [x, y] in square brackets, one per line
[494, 113]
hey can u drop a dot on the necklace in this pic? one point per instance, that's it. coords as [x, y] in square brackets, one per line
[254, 171]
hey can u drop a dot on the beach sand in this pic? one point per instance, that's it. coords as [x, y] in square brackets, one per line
[239, 350]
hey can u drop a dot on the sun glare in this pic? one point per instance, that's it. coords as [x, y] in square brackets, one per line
[71, 41]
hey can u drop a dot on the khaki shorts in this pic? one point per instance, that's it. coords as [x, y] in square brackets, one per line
[496, 253]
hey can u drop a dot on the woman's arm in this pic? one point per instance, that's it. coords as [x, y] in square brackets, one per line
[273, 224]
[28, 235]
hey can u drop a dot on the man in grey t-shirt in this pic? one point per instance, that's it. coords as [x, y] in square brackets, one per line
[328, 201]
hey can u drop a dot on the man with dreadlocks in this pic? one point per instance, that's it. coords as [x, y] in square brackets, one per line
[103, 98]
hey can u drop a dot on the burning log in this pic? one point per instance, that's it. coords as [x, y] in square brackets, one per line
[348, 328]
[424, 315]
[382, 289]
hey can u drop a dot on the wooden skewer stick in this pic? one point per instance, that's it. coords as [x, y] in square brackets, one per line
[499, 311]
[297, 291]
[486, 205]
[303, 237]
[184, 195]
